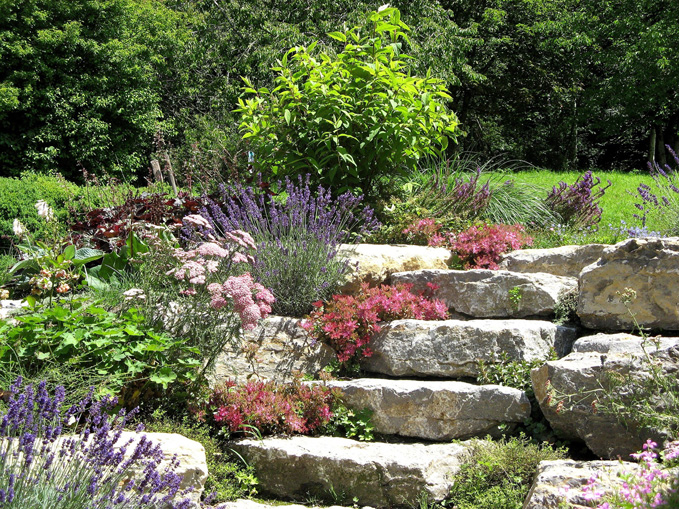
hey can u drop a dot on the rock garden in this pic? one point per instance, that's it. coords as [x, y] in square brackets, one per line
[363, 316]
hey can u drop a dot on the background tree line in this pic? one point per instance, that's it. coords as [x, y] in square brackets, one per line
[107, 84]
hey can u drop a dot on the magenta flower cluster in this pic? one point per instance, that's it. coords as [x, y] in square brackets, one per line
[481, 247]
[45, 464]
[348, 322]
[272, 408]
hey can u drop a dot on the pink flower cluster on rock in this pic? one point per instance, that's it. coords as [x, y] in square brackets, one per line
[251, 300]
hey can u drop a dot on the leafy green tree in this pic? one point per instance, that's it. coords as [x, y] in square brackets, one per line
[84, 82]
[352, 118]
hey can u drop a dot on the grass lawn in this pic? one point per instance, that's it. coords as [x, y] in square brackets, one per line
[617, 203]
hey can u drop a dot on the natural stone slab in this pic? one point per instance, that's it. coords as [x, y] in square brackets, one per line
[435, 410]
[581, 374]
[377, 262]
[275, 350]
[560, 261]
[243, 503]
[10, 307]
[192, 464]
[453, 348]
[621, 343]
[482, 293]
[650, 266]
[561, 483]
[377, 474]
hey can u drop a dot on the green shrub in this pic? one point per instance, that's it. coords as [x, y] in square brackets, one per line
[349, 119]
[81, 335]
[19, 196]
[498, 475]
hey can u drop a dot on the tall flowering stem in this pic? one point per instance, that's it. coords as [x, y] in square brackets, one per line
[44, 464]
[578, 204]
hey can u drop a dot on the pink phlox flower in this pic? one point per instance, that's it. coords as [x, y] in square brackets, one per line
[212, 249]
[263, 294]
[218, 302]
[212, 266]
[191, 269]
[197, 220]
[671, 451]
[214, 289]
[198, 280]
[241, 238]
[240, 258]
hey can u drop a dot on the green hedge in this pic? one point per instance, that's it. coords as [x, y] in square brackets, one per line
[19, 196]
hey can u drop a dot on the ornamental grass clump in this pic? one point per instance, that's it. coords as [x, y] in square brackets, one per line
[45, 464]
[348, 322]
[297, 235]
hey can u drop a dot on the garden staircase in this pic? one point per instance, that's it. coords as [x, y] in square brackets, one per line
[422, 394]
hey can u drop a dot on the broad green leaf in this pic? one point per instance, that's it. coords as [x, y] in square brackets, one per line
[338, 36]
[69, 252]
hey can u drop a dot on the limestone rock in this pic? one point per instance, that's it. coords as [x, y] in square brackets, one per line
[452, 348]
[274, 351]
[377, 262]
[560, 261]
[377, 474]
[189, 453]
[563, 482]
[10, 307]
[650, 267]
[577, 380]
[251, 504]
[482, 293]
[435, 410]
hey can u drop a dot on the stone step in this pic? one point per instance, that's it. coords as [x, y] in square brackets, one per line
[566, 483]
[594, 361]
[560, 261]
[435, 410]
[453, 348]
[242, 503]
[375, 263]
[373, 473]
[484, 293]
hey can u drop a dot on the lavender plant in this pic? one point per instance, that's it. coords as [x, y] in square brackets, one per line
[578, 204]
[43, 465]
[298, 235]
[660, 207]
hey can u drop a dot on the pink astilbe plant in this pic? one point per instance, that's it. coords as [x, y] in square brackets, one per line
[348, 322]
[270, 407]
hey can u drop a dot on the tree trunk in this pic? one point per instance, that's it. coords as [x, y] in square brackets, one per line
[662, 159]
[651, 146]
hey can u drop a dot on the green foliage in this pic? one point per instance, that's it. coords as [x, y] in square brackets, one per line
[348, 119]
[229, 477]
[515, 374]
[349, 423]
[566, 307]
[84, 335]
[19, 196]
[515, 295]
[498, 475]
[83, 82]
